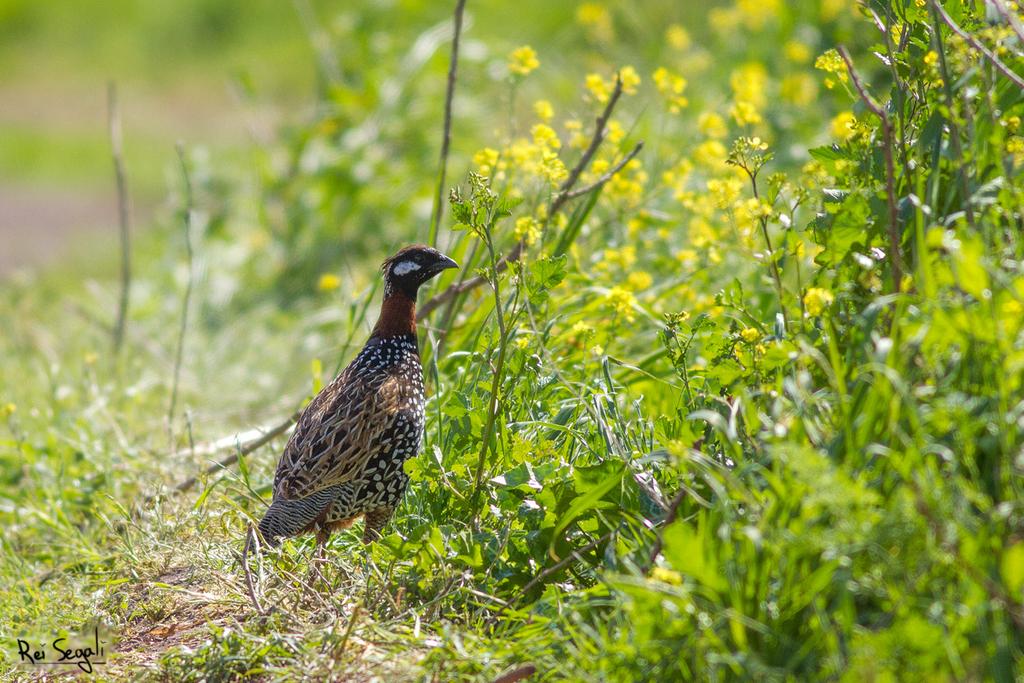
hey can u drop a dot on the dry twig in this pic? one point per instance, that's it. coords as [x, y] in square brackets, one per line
[557, 567]
[240, 452]
[186, 301]
[123, 213]
[250, 536]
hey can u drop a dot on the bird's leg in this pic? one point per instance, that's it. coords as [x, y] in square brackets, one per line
[316, 562]
[375, 521]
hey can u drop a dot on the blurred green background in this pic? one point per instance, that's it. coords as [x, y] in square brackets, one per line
[220, 75]
[181, 69]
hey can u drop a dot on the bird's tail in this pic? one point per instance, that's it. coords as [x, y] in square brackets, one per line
[286, 518]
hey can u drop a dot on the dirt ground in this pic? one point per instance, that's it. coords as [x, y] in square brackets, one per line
[39, 225]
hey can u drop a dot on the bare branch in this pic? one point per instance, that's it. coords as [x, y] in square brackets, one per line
[446, 138]
[607, 176]
[973, 42]
[555, 568]
[123, 213]
[240, 452]
[895, 256]
[565, 193]
[673, 512]
[1010, 18]
[588, 154]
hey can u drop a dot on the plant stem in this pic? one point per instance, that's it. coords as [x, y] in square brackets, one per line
[895, 257]
[188, 285]
[446, 137]
[492, 408]
[123, 214]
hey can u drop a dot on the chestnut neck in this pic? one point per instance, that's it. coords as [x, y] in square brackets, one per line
[397, 315]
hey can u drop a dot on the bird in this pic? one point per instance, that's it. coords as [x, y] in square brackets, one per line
[344, 460]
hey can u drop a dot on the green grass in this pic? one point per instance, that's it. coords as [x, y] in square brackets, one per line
[839, 449]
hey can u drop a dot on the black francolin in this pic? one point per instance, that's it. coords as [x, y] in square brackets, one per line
[344, 459]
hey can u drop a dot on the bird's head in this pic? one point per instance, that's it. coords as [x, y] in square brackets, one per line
[411, 267]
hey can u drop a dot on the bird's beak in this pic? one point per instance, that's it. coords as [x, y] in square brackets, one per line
[446, 263]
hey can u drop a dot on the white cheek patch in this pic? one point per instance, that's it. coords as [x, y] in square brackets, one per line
[405, 267]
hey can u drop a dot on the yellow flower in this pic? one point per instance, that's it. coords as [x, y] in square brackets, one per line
[623, 302]
[624, 257]
[8, 409]
[665, 575]
[544, 110]
[711, 153]
[545, 137]
[596, 19]
[799, 89]
[615, 132]
[486, 159]
[843, 126]
[639, 280]
[831, 63]
[724, 20]
[553, 168]
[522, 341]
[597, 87]
[671, 86]
[724, 191]
[750, 334]
[931, 58]
[628, 185]
[797, 52]
[831, 9]
[711, 124]
[527, 229]
[577, 140]
[756, 13]
[1012, 123]
[581, 329]
[523, 60]
[744, 113]
[328, 282]
[677, 37]
[816, 300]
[1015, 146]
[687, 256]
[630, 80]
[90, 358]
[749, 83]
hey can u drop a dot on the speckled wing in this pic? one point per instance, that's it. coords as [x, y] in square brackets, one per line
[337, 433]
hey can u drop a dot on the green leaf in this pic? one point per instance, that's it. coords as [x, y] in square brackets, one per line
[686, 550]
[1012, 569]
[589, 498]
[544, 274]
